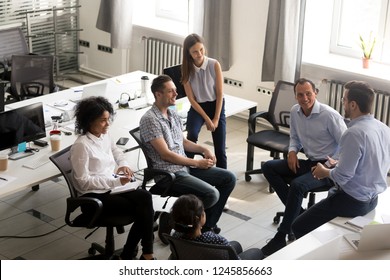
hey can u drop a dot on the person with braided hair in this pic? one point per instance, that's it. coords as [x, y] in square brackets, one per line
[188, 217]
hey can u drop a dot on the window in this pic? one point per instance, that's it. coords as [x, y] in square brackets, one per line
[352, 18]
[167, 15]
[42, 27]
[176, 10]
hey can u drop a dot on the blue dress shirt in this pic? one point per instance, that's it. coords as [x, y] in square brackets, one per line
[364, 158]
[318, 134]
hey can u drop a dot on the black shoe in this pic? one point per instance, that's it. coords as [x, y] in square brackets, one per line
[215, 229]
[275, 244]
[164, 226]
[135, 253]
[126, 257]
[143, 258]
[115, 257]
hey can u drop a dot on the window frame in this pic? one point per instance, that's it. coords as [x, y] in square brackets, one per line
[156, 18]
[382, 34]
[172, 14]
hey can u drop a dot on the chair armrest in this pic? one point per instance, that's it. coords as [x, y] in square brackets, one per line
[163, 186]
[165, 183]
[3, 74]
[73, 203]
[253, 119]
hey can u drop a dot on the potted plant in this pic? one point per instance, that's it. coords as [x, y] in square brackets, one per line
[367, 48]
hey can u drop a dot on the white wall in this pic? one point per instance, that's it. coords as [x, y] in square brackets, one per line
[249, 20]
[92, 60]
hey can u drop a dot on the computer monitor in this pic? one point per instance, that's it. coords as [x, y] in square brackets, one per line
[20, 125]
[175, 73]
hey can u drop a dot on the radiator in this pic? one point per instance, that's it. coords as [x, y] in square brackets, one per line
[160, 54]
[380, 109]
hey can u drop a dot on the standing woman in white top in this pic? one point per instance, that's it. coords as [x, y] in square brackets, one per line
[95, 161]
[202, 80]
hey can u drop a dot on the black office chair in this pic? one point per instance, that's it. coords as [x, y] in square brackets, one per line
[74, 204]
[32, 76]
[161, 188]
[12, 42]
[175, 73]
[274, 140]
[183, 249]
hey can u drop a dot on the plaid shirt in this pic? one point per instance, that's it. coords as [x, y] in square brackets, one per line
[154, 125]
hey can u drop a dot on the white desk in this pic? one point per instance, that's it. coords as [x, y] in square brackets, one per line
[318, 243]
[125, 120]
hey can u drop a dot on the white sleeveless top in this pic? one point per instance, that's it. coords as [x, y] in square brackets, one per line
[203, 81]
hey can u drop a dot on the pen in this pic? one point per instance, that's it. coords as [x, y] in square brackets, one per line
[4, 179]
[132, 179]
[119, 175]
[353, 226]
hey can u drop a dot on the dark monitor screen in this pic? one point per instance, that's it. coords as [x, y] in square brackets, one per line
[23, 124]
[175, 73]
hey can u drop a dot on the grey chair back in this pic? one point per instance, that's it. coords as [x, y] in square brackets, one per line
[12, 42]
[32, 75]
[61, 159]
[183, 249]
[283, 98]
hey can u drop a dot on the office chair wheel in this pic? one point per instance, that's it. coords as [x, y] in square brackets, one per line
[92, 251]
[291, 237]
[248, 178]
[276, 220]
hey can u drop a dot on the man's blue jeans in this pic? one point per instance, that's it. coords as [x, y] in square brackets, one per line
[336, 204]
[213, 186]
[291, 187]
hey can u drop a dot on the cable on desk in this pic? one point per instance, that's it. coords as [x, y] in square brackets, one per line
[32, 236]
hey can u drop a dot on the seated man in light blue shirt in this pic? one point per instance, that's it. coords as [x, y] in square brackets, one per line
[316, 128]
[360, 174]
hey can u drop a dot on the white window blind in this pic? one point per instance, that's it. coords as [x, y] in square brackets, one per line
[50, 26]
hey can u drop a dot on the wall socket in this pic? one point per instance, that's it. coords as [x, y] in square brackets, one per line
[264, 91]
[232, 82]
[104, 49]
[84, 43]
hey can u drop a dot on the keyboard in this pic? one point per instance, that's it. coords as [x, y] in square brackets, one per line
[37, 161]
[20, 155]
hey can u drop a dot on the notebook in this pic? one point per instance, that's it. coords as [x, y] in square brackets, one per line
[372, 237]
[131, 186]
